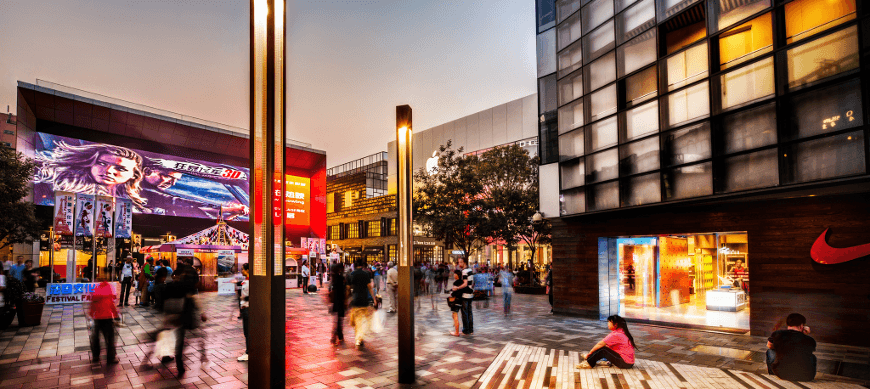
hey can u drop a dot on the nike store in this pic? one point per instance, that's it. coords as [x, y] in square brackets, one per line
[705, 164]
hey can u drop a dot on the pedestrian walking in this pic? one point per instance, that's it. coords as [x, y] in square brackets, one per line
[507, 288]
[360, 304]
[468, 282]
[617, 347]
[104, 313]
[549, 282]
[126, 281]
[243, 308]
[455, 300]
[338, 297]
[392, 286]
[321, 271]
[184, 288]
[378, 272]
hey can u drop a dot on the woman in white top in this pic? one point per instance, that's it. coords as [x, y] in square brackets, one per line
[305, 275]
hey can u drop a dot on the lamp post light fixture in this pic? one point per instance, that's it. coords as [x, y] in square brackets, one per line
[266, 368]
[407, 375]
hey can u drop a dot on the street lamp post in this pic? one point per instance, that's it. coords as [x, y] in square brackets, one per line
[407, 374]
[266, 248]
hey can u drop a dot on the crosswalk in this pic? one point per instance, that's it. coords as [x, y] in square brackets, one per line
[530, 367]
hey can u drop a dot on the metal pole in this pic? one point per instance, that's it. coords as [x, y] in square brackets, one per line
[51, 253]
[407, 374]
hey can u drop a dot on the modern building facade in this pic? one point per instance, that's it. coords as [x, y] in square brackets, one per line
[695, 154]
[7, 131]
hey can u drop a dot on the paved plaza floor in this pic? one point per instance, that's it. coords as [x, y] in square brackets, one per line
[56, 354]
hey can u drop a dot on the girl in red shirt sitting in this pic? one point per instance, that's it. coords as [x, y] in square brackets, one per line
[617, 347]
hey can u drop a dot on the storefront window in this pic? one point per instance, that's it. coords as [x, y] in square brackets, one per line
[826, 110]
[546, 14]
[668, 8]
[334, 232]
[641, 86]
[602, 166]
[392, 253]
[686, 67]
[547, 93]
[352, 230]
[374, 229]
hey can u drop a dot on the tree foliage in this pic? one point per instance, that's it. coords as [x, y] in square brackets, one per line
[18, 222]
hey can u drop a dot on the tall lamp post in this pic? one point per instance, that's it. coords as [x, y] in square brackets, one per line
[407, 374]
[266, 368]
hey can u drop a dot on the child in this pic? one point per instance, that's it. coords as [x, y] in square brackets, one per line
[455, 300]
[136, 291]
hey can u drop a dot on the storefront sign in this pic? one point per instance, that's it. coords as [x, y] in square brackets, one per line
[823, 253]
[423, 243]
[184, 252]
[74, 293]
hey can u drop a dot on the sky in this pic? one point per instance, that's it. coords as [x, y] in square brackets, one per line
[350, 62]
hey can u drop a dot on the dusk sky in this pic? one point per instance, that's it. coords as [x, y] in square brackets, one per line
[350, 62]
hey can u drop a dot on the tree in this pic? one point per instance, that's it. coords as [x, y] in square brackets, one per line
[18, 222]
[448, 201]
[510, 179]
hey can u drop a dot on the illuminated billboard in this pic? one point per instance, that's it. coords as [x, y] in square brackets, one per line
[155, 183]
[297, 204]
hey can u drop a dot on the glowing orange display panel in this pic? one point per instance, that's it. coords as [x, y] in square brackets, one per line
[297, 201]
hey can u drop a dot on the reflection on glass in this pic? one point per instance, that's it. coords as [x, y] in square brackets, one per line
[685, 36]
[729, 12]
[570, 88]
[570, 59]
[602, 103]
[547, 93]
[571, 145]
[635, 20]
[571, 116]
[746, 41]
[572, 201]
[637, 53]
[569, 31]
[601, 72]
[750, 129]
[687, 145]
[598, 42]
[565, 8]
[689, 181]
[595, 13]
[642, 120]
[747, 84]
[602, 134]
[573, 174]
[546, 15]
[641, 86]
[642, 190]
[688, 104]
[668, 8]
[638, 157]
[822, 58]
[686, 67]
[623, 4]
[826, 110]
[804, 18]
[602, 166]
[546, 53]
[604, 196]
[830, 157]
[751, 171]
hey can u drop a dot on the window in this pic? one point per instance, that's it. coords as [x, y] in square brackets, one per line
[546, 53]
[668, 8]
[747, 84]
[640, 121]
[598, 42]
[602, 166]
[334, 232]
[573, 201]
[688, 104]
[826, 110]
[729, 12]
[569, 31]
[637, 53]
[807, 17]
[623, 4]
[595, 13]
[822, 58]
[9, 132]
[571, 145]
[573, 174]
[750, 171]
[689, 181]
[7, 144]
[548, 129]
[642, 190]
[571, 116]
[641, 86]
[565, 8]
[746, 41]
[570, 88]
[604, 196]
[391, 249]
[686, 67]
[546, 14]
[635, 20]
[602, 103]
[374, 229]
[570, 59]
[685, 36]
[750, 129]
[830, 157]
[394, 227]
[352, 230]
[547, 93]
[601, 72]
[687, 145]
[638, 157]
[602, 134]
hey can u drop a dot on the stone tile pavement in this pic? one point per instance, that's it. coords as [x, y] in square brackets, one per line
[56, 353]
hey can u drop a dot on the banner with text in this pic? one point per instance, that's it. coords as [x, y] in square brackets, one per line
[104, 217]
[63, 213]
[84, 212]
[123, 218]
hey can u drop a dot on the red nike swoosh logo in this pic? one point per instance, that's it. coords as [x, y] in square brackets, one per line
[822, 252]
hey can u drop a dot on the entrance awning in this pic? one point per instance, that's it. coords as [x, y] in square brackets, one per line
[373, 250]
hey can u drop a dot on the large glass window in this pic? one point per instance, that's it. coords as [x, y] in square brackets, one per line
[638, 157]
[352, 230]
[569, 31]
[822, 58]
[687, 145]
[598, 42]
[747, 84]
[374, 229]
[573, 173]
[829, 157]
[750, 129]
[547, 93]
[689, 181]
[685, 36]
[688, 104]
[668, 8]
[602, 134]
[546, 14]
[602, 103]
[751, 171]
[548, 141]
[640, 121]
[570, 59]
[642, 190]
[597, 12]
[635, 20]
[804, 18]
[746, 41]
[571, 116]
[571, 145]
[570, 88]
[826, 110]
[601, 72]
[335, 232]
[546, 53]
[572, 201]
[687, 66]
[602, 166]
[564, 8]
[622, 4]
[729, 12]
[603, 196]
[641, 86]
[637, 53]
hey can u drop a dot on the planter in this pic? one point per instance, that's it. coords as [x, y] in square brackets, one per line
[30, 314]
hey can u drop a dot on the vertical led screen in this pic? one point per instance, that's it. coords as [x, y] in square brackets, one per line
[297, 201]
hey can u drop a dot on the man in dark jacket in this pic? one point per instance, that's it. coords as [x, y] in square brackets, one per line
[790, 351]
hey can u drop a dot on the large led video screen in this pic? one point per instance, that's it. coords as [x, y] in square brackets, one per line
[156, 183]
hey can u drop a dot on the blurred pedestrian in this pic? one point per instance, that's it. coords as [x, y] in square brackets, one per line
[338, 297]
[468, 297]
[184, 288]
[392, 286]
[243, 308]
[507, 288]
[104, 313]
[360, 305]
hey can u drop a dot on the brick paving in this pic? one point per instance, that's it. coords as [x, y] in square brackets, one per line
[56, 354]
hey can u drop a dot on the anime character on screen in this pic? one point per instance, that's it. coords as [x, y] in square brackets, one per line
[159, 179]
[98, 168]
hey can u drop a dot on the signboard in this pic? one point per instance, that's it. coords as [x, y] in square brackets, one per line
[74, 292]
[84, 220]
[123, 218]
[104, 219]
[297, 201]
[184, 252]
[63, 212]
[226, 286]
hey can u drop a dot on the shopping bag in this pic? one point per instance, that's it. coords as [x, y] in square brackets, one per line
[165, 344]
[378, 318]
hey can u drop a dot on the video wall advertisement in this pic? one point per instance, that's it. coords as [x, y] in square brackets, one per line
[152, 183]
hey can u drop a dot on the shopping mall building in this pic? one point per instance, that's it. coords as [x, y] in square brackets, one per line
[181, 173]
[705, 163]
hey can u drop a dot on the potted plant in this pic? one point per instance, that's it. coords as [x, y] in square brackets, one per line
[30, 309]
